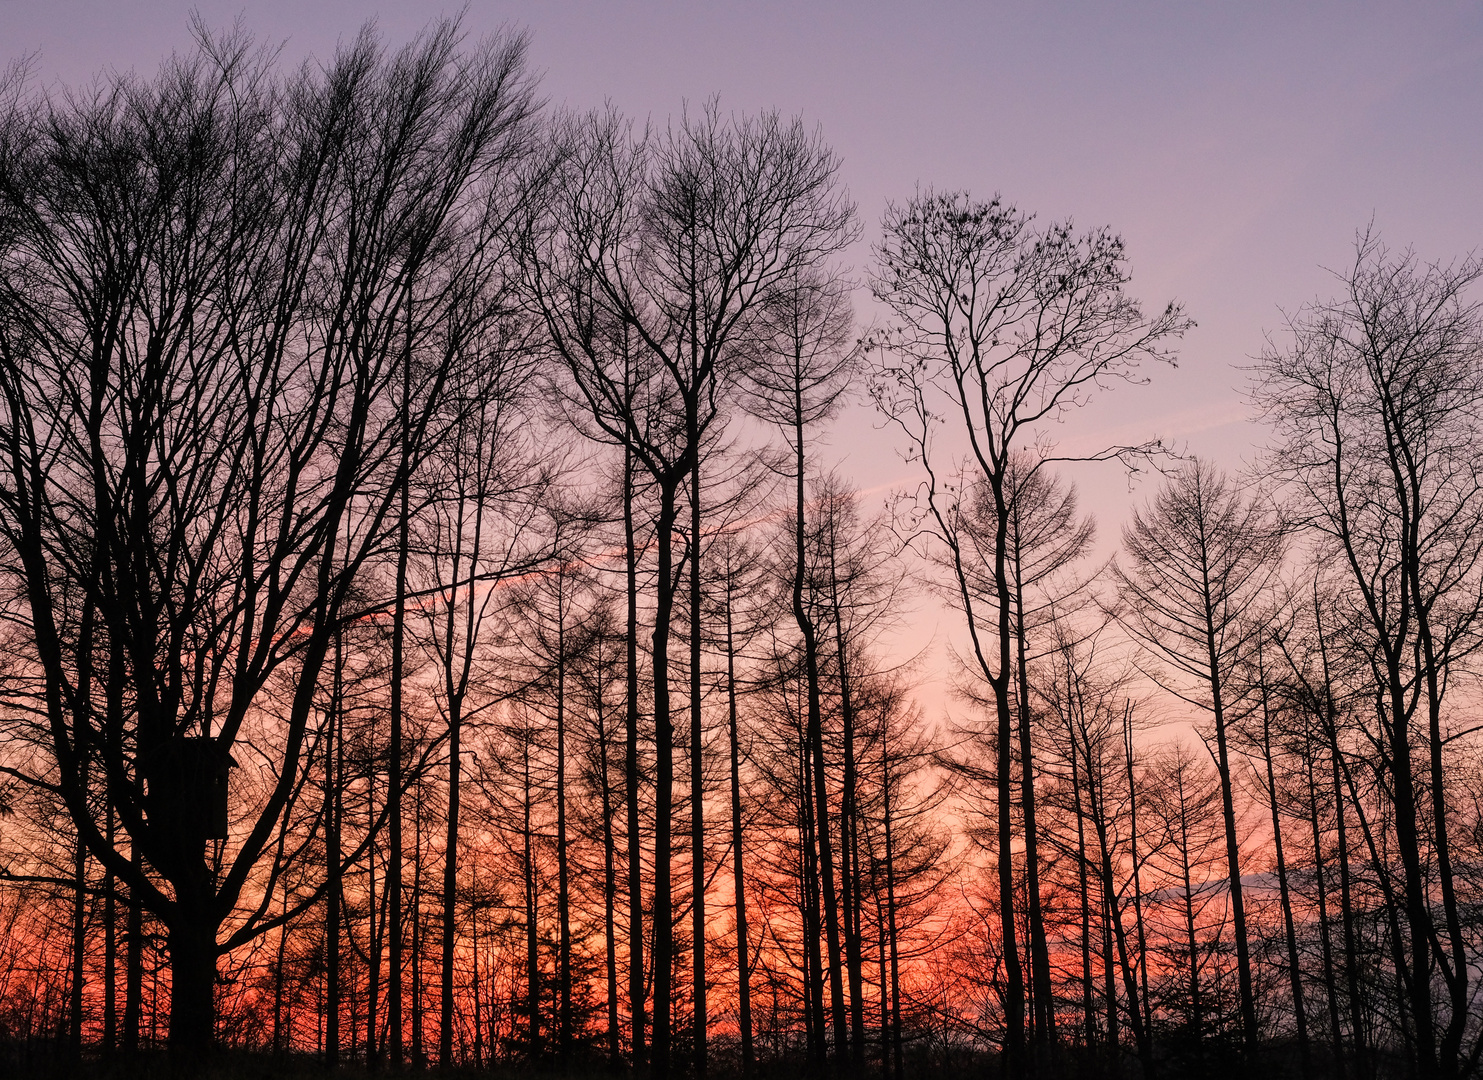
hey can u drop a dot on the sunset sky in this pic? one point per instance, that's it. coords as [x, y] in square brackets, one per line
[1236, 150]
[317, 600]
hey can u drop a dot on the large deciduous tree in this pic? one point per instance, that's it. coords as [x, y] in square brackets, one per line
[214, 289]
[650, 261]
[1376, 398]
[1199, 558]
[999, 329]
[800, 377]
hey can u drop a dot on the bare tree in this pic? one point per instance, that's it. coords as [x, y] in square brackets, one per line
[489, 518]
[649, 263]
[1184, 801]
[799, 380]
[1376, 399]
[1087, 698]
[211, 290]
[1199, 557]
[738, 582]
[999, 329]
[1314, 690]
[1045, 539]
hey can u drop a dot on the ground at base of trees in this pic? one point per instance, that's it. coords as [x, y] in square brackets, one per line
[47, 1061]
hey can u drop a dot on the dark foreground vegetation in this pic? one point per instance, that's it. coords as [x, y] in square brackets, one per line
[433, 638]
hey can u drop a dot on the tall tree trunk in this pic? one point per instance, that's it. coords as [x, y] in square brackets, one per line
[609, 860]
[319, 1020]
[697, 782]
[334, 895]
[1346, 910]
[374, 929]
[883, 970]
[1109, 980]
[816, 747]
[1346, 922]
[898, 1064]
[532, 933]
[813, 980]
[1141, 1035]
[1096, 813]
[738, 859]
[1380, 867]
[475, 978]
[455, 689]
[1325, 938]
[1043, 1026]
[1192, 943]
[280, 1044]
[82, 727]
[636, 997]
[999, 682]
[450, 890]
[1233, 850]
[192, 946]
[563, 883]
[1295, 971]
[855, 932]
[1406, 824]
[1146, 1005]
[352, 1013]
[1088, 1014]
[827, 887]
[133, 961]
[849, 866]
[394, 781]
[419, 1052]
[1453, 955]
[79, 932]
[110, 947]
[664, 784]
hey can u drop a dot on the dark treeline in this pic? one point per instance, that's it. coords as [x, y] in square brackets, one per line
[435, 638]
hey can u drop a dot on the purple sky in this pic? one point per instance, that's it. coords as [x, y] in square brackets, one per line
[1237, 147]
